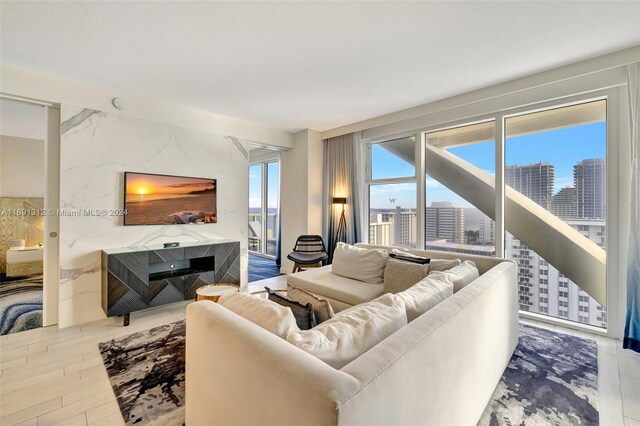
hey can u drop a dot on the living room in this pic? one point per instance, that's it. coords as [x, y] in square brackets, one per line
[227, 130]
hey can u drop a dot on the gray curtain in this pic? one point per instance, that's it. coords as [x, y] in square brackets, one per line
[342, 178]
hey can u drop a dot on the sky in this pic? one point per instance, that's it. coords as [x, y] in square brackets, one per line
[143, 184]
[563, 148]
[255, 185]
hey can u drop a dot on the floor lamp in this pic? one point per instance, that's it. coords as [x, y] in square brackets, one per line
[341, 232]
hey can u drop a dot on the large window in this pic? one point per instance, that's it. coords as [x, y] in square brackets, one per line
[392, 193]
[452, 223]
[557, 159]
[536, 195]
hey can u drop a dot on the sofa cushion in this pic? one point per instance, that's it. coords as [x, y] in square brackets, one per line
[444, 264]
[377, 247]
[427, 293]
[399, 275]
[321, 306]
[359, 264]
[322, 282]
[348, 335]
[303, 313]
[265, 313]
[463, 274]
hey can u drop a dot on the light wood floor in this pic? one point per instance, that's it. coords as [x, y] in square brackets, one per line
[52, 376]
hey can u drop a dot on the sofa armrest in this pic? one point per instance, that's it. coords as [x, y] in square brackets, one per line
[238, 373]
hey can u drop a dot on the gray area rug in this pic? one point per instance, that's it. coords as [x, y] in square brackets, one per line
[20, 304]
[146, 371]
[551, 379]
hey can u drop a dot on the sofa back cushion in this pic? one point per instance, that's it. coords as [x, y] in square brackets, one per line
[426, 294]
[463, 274]
[399, 275]
[349, 334]
[265, 313]
[359, 264]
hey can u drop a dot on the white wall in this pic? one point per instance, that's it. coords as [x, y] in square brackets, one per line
[95, 149]
[22, 167]
[301, 191]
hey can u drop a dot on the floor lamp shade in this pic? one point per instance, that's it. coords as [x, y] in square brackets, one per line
[341, 231]
[339, 200]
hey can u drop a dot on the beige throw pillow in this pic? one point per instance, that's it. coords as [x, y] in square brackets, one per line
[348, 335]
[426, 294]
[400, 275]
[267, 314]
[321, 307]
[359, 264]
[443, 264]
[463, 274]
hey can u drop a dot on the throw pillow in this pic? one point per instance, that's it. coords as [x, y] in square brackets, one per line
[348, 335]
[443, 264]
[265, 313]
[426, 294]
[321, 307]
[400, 275]
[463, 274]
[305, 318]
[359, 264]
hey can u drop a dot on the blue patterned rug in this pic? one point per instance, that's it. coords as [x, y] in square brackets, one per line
[552, 379]
[20, 304]
[261, 268]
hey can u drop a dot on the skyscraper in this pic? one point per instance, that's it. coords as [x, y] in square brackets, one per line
[589, 180]
[533, 180]
[565, 203]
[445, 222]
[541, 287]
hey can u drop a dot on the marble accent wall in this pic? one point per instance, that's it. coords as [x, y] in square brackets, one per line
[95, 149]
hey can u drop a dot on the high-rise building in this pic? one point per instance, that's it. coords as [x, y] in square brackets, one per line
[565, 203]
[541, 287]
[487, 230]
[444, 222]
[590, 182]
[405, 225]
[533, 180]
[380, 231]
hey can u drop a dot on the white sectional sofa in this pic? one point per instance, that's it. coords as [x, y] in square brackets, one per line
[440, 369]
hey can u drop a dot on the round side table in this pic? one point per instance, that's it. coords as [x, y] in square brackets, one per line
[214, 291]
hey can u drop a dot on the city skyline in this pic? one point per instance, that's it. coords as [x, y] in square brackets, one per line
[567, 147]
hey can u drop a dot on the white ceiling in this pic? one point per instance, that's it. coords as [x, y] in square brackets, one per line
[318, 65]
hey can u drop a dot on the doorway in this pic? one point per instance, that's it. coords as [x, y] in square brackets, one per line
[264, 213]
[22, 215]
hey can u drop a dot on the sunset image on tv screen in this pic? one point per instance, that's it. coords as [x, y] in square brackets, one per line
[161, 200]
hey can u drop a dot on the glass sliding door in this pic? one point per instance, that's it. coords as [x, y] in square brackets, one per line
[460, 199]
[264, 188]
[273, 194]
[556, 158]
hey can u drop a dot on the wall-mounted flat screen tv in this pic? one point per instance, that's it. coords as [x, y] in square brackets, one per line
[151, 199]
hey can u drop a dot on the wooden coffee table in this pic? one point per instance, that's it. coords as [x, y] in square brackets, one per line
[214, 291]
